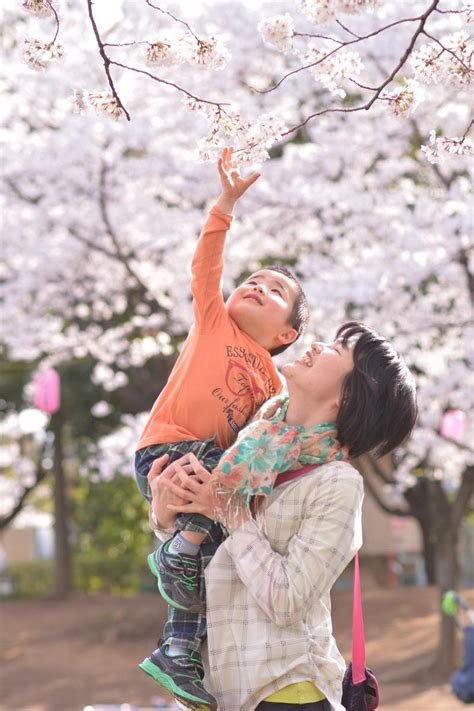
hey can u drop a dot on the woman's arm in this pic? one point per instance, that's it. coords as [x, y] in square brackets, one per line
[329, 535]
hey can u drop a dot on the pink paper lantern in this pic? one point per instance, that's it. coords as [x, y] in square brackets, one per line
[47, 391]
[452, 426]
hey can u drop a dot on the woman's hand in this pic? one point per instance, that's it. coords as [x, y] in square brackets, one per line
[233, 185]
[160, 481]
[191, 487]
[193, 482]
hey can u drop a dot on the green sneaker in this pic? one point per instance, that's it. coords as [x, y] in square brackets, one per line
[178, 577]
[182, 676]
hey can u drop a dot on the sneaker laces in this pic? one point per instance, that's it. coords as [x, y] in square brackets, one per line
[190, 573]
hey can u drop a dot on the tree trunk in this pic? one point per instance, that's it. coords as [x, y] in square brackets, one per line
[447, 577]
[63, 566]
[429, 554]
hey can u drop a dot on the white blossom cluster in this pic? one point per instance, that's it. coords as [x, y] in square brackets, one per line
[113, 454]
[39, 55]
[277, 32]
[452, 61]
[101, 101]
[440, 148]
[38, 7]
[320, 11]
[252, 140]
[172, 51]
[329, 69]
[403, 101]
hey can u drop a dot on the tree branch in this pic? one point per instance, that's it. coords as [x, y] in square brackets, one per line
[342, 44]
[378, 470]
[378, 90]
[176, 19]
[218, 104]
[105, 59]
[463, 498]
[392, 510]
[39, 476]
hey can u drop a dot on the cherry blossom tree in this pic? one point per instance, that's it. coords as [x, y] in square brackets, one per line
[363, 109]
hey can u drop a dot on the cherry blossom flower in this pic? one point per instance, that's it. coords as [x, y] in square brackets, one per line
[38, 55]
[320, 11]
[79, 102]
[403, 101]
[460, 68]
[440, 147]
[452, 60]
[38, 7]
[105, 103]
[210, 53]
[163, 53]
[329, 69]
[277, 32]
[427, 64]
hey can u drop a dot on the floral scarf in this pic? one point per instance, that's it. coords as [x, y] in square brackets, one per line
[269, 446]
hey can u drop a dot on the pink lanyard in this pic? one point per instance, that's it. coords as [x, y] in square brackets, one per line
[294, 474]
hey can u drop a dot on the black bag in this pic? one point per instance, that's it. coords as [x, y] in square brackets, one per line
[360, 690]
[363, 696]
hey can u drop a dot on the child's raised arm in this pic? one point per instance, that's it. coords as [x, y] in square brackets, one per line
[208, 302]
[233, 185]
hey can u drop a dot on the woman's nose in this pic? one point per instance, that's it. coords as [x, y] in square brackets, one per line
[317, 346]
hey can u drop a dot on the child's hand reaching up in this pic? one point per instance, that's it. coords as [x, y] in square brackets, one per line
[233, 185]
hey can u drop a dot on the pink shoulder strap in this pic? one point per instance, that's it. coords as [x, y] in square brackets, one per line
[294, 474]
[358, 639]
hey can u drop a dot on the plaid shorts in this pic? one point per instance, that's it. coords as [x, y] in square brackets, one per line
[208, 453]
[186, 629]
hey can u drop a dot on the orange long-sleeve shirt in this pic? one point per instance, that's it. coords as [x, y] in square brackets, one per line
[222, 376]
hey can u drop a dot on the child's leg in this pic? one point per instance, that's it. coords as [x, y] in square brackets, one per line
[195, 528]
[176, 664]
[176, 563]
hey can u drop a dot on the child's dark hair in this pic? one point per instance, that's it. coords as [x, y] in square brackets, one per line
[378, 408]
[299, 316]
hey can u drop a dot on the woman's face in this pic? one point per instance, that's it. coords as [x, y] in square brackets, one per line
[320, 373]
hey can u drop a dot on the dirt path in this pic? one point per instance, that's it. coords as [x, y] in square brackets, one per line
[64, 656]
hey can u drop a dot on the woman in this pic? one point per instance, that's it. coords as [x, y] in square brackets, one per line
[269, 635]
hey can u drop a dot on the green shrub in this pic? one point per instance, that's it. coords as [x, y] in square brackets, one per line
[34, 579]
[112, 535]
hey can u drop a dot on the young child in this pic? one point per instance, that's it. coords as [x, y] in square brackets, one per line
[222, 376]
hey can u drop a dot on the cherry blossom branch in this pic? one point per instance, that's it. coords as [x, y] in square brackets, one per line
[106, 60]
[126, 44]
[365, 107]
[176, 19]
[348, 43]
[446, 49]
[451, 12]
[218, 104]
[56, 17]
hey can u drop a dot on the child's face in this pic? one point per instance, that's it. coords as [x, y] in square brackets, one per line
[262, 306]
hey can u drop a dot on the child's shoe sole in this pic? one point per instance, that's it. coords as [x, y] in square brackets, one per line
[164, 680]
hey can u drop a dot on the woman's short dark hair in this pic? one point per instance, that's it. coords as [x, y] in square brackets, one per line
[378, 407]
[299, 316]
